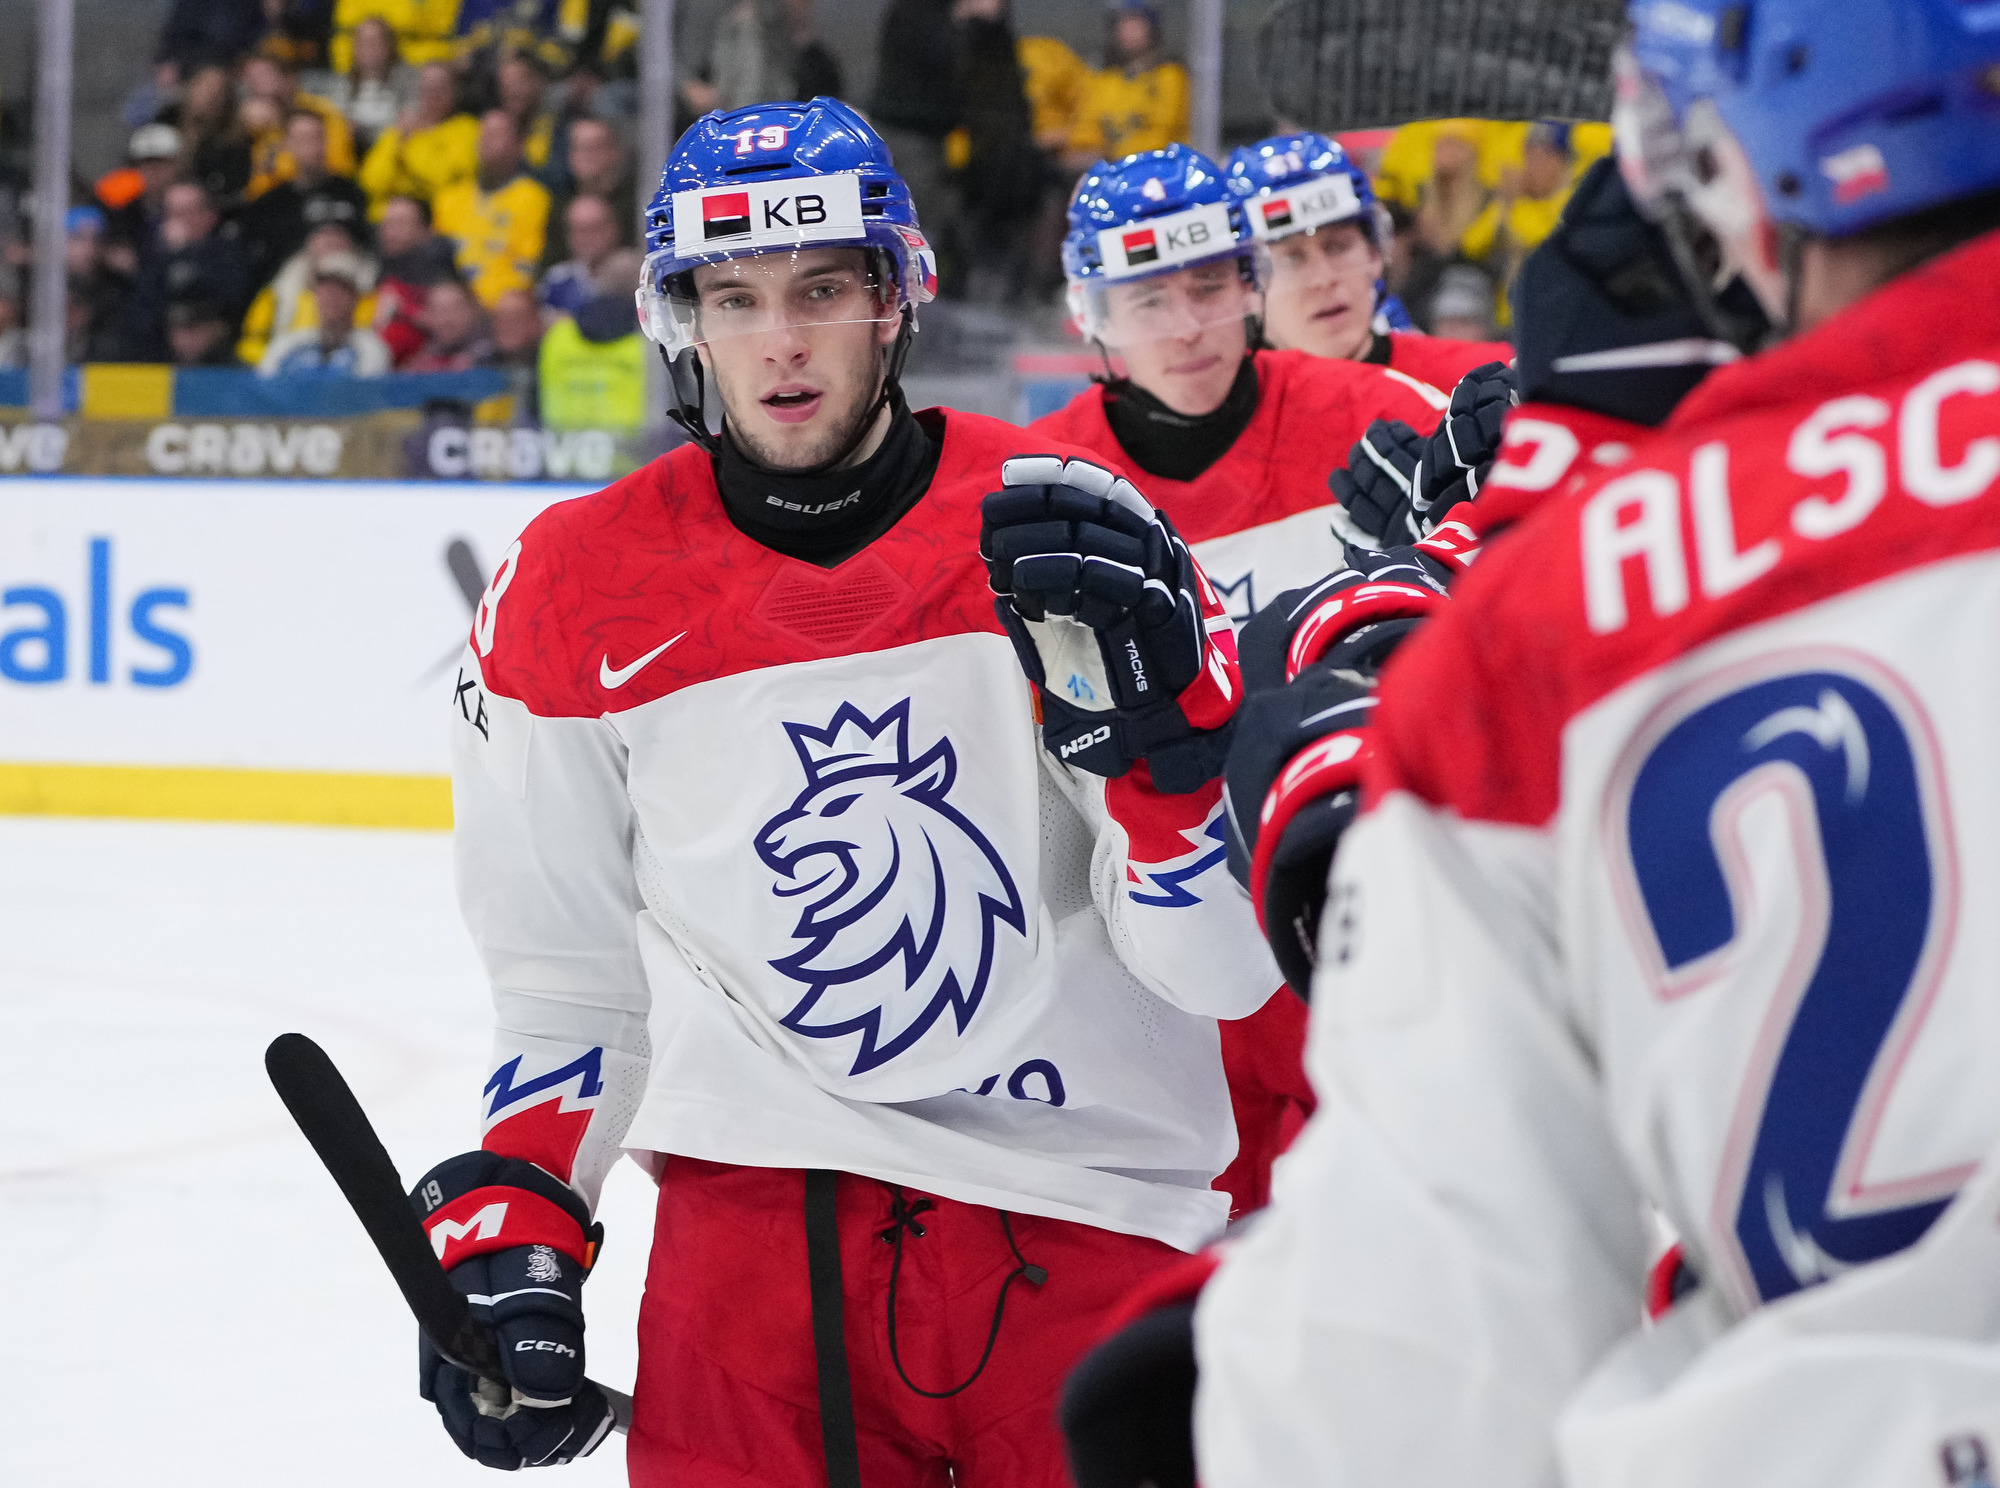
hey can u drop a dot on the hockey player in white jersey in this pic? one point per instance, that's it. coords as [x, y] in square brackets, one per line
[782, 887]
[1235, 443]
[1667, 889]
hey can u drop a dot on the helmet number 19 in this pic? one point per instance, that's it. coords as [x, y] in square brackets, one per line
[770, 137]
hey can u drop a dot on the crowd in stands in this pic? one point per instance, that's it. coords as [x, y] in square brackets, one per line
[355, 187]
[361, 186]
[1471, 198]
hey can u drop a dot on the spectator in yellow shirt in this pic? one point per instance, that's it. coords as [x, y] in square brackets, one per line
[523, 87]
[276, 83]
[286, 305]
[431, 146]
[425, 29]
[1139, 101]
[1409, 161]
[1523, 211]
[499, 219]
[1053, 79]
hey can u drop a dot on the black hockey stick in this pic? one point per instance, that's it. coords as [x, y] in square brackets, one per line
[340, 1132]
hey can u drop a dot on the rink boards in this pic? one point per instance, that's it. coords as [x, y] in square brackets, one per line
[240, 650]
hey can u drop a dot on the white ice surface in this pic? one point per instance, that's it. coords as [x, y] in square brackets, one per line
[187, 1298]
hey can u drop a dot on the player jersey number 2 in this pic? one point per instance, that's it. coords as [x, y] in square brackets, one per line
[1836, 744]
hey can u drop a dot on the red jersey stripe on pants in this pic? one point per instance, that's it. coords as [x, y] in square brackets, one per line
[728, 1395]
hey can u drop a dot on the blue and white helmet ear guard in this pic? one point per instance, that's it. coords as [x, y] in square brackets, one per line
[779, 179]
[1819, 120]
[1149, 216]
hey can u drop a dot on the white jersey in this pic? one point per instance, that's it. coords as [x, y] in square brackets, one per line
[769, 867]
[1671, 892]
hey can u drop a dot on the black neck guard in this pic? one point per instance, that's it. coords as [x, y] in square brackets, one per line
[1172, 445]
[827, 516]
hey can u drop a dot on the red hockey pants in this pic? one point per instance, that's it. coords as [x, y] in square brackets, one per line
[1263, 1057]
[728, 1395]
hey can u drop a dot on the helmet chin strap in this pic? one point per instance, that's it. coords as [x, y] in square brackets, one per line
[690, 402]
[689, 407]
[1791, 263]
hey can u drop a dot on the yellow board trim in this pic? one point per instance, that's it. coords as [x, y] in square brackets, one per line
[127, 390]
[326, 799]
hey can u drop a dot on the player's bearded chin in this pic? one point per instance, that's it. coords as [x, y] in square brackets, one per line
[853, 379]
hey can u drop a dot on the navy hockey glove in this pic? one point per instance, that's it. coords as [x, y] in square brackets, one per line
[1297, 628]
[1292, 788]
[1375, 485]
[1130, 650]
[1465, 444]
[519, 1243]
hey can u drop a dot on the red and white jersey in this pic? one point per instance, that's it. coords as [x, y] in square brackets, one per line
[769, 866]
[1669, 889]
[1440, 360]
[1258, 519]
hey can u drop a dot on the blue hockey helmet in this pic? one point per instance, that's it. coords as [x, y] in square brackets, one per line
[1293, 183]
[1815, 119]
[1152, 214]
[778, 178]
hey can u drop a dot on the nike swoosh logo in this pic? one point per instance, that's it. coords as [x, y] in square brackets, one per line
[620, 676]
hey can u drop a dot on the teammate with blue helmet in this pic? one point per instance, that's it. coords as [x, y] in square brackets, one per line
[1657, 902]
[1234, 443]
[1805, 147]
[745, 745]
[1158, 251]
[1166, 278]
[1330, 240]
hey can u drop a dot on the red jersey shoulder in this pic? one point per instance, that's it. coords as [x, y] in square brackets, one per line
[616, 599]
[1329, 401]
[531, 628]
[1768, 504]
[1081, 421]
[983, 444]
[1310, 411]
[1440, 360]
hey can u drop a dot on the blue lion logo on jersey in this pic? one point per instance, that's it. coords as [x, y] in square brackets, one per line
[904, 897]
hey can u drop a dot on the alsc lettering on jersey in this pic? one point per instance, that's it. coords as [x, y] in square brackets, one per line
[1635, 521]
[904, 896]
[1848, 751]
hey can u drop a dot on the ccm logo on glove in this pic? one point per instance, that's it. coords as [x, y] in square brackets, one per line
[1085, 741]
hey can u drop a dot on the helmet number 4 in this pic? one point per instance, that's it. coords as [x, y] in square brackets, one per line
[770, 137]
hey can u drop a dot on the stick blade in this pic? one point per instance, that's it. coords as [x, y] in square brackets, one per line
[332, 1120]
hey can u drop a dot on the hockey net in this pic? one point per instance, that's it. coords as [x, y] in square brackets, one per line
[1336, 65]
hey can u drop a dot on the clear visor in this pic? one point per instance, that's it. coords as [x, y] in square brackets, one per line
[1322, 255]
[1175, 306]
[763, 294]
